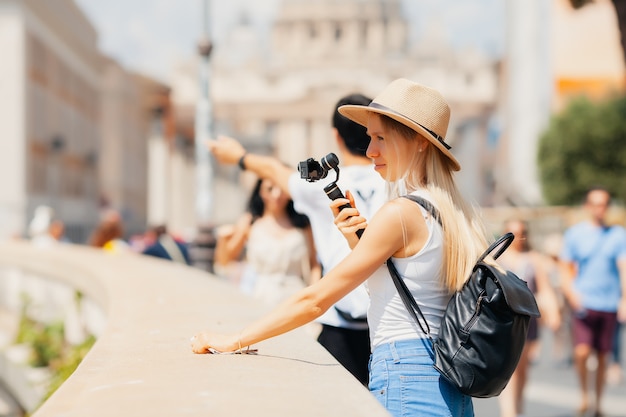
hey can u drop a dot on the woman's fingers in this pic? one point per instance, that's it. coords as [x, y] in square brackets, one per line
[198, 345]
[338, 212]
[350, 197]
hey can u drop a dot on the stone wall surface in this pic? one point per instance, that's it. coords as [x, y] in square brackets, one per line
[142, 363]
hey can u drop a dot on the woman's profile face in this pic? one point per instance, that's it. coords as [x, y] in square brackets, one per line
[389, 151]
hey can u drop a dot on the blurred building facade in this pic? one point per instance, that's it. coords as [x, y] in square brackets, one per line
[170, 161]
[122, 150]
[80, 133]
[554, 53]
[526, 96]
[50, 106]
[146, 160]
[279, 98]
[587, 62]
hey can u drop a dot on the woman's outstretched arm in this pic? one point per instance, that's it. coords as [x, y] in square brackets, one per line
[383, 237]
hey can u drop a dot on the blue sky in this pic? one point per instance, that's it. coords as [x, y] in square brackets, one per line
[150, 36]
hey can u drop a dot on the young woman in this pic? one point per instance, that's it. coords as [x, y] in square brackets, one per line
[530, 266]
[407, 124]
[109, 233]
[280, 258]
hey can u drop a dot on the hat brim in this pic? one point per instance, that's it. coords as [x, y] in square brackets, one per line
[359, 114]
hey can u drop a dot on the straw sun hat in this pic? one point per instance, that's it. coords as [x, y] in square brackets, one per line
[416, 106]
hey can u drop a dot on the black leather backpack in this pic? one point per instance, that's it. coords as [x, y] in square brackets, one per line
[483, 330]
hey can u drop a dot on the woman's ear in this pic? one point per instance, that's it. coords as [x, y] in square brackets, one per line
[422, 143]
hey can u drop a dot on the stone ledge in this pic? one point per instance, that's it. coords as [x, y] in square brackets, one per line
[142, 363]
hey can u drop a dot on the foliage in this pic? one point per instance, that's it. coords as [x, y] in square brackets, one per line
[582, 147]
[27, 329]
[67, 363]
[48, 344]
[49, 348]
[46, 340]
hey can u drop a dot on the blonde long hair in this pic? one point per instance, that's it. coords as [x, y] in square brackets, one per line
[463, 232]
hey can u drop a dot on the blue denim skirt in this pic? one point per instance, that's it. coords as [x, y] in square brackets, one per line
[404, 381]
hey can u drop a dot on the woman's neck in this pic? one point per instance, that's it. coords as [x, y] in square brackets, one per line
[279, 216]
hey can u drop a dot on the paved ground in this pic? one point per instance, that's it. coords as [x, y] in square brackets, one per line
[553, 390]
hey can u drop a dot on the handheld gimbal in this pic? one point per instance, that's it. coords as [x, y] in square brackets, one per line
[312, 170]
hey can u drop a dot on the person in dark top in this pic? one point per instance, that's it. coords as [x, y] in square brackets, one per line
[166, 247]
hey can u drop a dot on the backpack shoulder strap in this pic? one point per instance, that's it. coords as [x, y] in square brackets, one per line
[427, 205]
[407, 299]
[405, 295]
[503, 242]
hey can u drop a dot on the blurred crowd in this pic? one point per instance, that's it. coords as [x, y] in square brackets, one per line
[46, 229]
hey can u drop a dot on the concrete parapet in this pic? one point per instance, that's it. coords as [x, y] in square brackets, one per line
[142, 363]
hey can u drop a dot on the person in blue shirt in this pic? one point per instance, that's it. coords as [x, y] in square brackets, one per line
[594, 274]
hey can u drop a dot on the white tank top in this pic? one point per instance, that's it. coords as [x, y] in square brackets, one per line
[388, 318]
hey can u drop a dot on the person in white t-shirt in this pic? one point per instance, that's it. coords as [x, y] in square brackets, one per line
[344, 327]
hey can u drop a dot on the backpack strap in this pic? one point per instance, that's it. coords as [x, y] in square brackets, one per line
[427, 205]
[504, 241]
[407, 298]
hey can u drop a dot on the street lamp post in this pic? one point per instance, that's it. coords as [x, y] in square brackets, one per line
[203, 127]
[203, 247]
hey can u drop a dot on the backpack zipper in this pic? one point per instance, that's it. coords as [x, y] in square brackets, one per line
[465, 330]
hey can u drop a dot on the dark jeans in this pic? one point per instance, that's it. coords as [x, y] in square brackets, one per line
[350, 347]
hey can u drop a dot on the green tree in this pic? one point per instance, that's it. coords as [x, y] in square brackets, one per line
[583, 146]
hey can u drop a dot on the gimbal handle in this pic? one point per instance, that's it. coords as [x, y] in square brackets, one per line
[333, 192]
